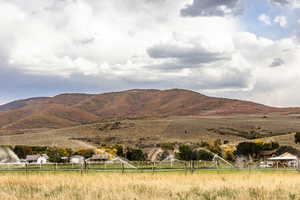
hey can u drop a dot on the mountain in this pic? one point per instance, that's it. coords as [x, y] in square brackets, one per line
[72, 109]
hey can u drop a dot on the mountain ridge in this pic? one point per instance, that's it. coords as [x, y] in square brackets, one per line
[70, 109]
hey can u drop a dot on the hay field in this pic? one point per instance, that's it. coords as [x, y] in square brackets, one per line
[240, 185]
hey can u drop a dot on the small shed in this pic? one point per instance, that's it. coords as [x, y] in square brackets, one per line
[77, 159]
[285, 160]
[38, 159]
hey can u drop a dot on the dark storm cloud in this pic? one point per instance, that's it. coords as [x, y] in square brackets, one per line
[277, 62]
[184, 55]
[213, 8]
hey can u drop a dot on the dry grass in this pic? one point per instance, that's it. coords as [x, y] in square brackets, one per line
[160, 130]
[149, 187]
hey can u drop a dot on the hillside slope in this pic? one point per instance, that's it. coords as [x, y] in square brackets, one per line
[72, 109]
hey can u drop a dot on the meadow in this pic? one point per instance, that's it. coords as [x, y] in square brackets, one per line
[210, 185]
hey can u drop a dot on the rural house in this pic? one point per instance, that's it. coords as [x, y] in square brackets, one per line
[285, 160]
[77, 159]
[38, 159]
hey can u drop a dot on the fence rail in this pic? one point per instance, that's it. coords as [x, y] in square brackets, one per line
[125, 167]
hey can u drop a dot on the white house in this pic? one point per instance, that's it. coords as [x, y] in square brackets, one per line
[285, 160]
[77, 159]
[38, 159]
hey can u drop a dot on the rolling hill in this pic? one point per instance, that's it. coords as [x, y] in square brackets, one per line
[73, 109]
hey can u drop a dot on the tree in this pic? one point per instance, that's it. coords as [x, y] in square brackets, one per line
[185, 152]
[297, 137]
[248, 148]
[167, 146]
[22, 151]
[120, 150]
[135, 155]
[56, 153]
[202, 155]
[85, 152]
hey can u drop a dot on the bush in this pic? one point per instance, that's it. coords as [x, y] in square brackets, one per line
[185, 152]
[85, 152]
[202, 155]
[297, 137]
[135, 155]
[22, 151]
[248, 148]
[167, 146]
[120, 150]
[270, 146]
[56, 153]
[230, 154]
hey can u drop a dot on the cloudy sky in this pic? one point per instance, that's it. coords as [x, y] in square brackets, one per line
[244, 49]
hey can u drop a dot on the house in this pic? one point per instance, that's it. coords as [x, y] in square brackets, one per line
[37, 159]
[77, 159]
[285, 160]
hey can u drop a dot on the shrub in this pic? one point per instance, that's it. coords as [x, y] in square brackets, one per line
[185, 152]
[167, 146]
[22, 151]
[202, 155]
[297, 137]
[85, 152]
[135, 155]
[120, 150]
[230, 154]
[248, 148]
[56, 153]
[270, 146]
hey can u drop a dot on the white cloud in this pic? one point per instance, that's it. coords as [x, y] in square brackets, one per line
[286, 3]
[281, 20]
[142, 43]
[265, 19]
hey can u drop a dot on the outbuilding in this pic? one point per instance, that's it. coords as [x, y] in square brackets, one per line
[37, 159]
[285, 160]
[77, 159]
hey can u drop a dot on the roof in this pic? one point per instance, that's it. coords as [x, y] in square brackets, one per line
[77, 156]
[36, 157]
[285, 156]
[32, 157]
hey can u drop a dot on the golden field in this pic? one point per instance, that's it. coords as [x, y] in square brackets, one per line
[208, 185]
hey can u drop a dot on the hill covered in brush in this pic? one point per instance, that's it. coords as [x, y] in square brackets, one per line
[71, 109]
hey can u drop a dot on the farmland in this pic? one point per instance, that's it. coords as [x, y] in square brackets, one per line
[151, 131]
[202, 185]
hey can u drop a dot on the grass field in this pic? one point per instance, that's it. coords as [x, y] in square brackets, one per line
[204, 185]
[149, 132]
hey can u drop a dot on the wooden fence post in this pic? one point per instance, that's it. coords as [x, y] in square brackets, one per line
[26, 168]
[153, 167]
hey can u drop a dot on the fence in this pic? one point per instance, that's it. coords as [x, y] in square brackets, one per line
[123, 167]
[111, 166]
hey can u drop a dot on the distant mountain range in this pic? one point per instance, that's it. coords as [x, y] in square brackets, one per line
[72, 109]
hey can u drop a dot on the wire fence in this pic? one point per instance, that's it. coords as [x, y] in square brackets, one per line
[126, 167]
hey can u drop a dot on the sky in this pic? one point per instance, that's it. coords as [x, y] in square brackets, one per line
[240, 49]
